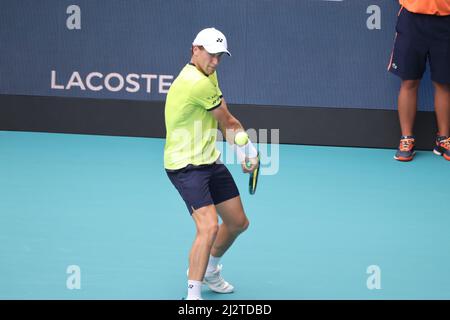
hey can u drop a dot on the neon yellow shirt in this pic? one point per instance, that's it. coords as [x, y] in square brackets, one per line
[191, 130]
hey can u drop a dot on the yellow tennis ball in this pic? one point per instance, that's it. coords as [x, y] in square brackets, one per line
[241, 138]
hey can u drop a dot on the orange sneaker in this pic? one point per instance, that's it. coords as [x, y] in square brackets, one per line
[442, 147]
[405, 151]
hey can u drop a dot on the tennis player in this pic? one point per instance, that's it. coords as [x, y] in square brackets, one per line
[194, 110]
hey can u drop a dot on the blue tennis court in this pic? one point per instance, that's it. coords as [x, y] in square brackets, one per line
[105, 205]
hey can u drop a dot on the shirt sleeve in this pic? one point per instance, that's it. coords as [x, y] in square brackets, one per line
[206, 93]
[214, 80]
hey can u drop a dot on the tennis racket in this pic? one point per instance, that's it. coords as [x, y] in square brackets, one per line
[253, 180]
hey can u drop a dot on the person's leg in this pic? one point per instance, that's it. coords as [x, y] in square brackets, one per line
[442, 107]
[194, 184]
[408, 61]
[206, 222]
[234, 222]
[407, 105]
[439, 28]
[229, 206]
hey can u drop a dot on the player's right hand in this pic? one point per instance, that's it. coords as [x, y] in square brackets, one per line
[250, 165]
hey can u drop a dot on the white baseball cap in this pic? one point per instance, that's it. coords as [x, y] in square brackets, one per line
[212, 40]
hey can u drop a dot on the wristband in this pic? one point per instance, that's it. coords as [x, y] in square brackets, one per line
[246, 151]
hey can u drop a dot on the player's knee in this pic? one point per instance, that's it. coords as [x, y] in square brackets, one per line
[209, 229]
[245, 225]
[410, 84]
[441, 86]
[241, 225]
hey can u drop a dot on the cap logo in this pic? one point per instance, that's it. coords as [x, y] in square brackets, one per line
[219, 40]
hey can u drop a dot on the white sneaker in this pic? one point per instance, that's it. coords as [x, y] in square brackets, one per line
[215, 282]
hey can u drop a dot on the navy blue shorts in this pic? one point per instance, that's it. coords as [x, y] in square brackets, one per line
[203, 185]
[421, 38]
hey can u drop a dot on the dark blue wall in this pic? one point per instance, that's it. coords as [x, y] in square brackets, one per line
[310, 53]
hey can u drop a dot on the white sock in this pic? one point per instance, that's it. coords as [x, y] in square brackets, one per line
[212, 264]
[194, 290]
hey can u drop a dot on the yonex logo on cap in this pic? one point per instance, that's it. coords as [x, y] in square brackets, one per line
[219, 40]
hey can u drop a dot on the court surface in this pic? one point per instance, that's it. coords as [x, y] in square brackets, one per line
[105, 205]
